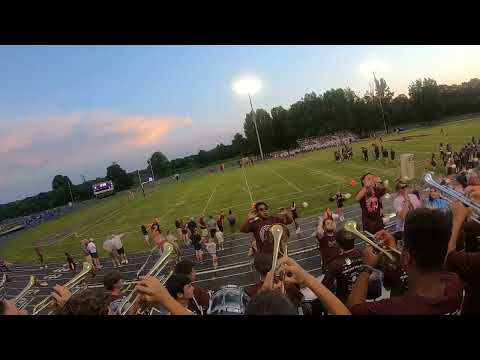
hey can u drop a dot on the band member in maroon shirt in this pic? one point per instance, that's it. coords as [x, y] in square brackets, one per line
[327, 244]
[466, 265]
[345, 267]
[431, 291]
[201, 297]
[370, 201]
[259, 222]
[263, 264]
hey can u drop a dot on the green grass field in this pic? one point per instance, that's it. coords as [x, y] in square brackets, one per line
[311, 177]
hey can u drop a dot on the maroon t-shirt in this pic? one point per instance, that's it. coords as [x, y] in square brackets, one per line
[396, 280]
[260, 228]
[470, 235]
[345, 268]
[292, 291]
[467, 266]
[412, 304]
[328, 248]
[202, 297]
[371, 205]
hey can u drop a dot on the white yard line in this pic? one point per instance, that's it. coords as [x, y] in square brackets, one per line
[248, 187]
[322, 172]
[210, 198]
[288, 182]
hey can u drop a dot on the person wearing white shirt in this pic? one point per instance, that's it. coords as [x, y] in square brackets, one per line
[212, 250]
[92, 249]
[118, 245]
[220, 239]
[112, 252]
[403, 204]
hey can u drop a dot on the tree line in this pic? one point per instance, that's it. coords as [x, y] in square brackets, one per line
[313, 115]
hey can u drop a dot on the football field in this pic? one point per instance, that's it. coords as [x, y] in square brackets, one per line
[311, 177]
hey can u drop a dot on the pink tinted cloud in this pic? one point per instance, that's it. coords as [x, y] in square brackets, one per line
[55, 143]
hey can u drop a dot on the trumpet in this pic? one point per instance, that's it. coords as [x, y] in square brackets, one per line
[451, 195]
[387, 252]
[73, 282]
[170, 256]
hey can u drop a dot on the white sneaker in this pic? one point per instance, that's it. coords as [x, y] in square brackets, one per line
[297, 231]
[126, 261]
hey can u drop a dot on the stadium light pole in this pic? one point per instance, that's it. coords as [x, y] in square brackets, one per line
[380, 101]
[151, 168]
[69, 188]
[250, 86]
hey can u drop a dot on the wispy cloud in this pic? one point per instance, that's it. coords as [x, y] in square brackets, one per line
[52, 144]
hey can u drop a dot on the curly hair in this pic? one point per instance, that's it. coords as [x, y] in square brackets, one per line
[87, 302]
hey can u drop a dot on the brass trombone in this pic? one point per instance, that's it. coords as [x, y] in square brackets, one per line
[75, 281]
[385, 251]
[170, 256]
[451, 195]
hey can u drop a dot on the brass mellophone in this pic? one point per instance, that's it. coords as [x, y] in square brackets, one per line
[280, 234]
[71, 284]
[31, 282]
[170, 256]
[451, 195]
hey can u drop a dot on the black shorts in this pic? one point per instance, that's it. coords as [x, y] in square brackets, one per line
[94, 255]
[212, 233]
[220, 227]
[121, 251]
[294, 215]
[232, 223]
[197, 246]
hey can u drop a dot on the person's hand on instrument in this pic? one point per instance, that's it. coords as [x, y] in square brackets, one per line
[294, 273]
[386, 238]
[61, 295]
[369, 257]
[152, 290]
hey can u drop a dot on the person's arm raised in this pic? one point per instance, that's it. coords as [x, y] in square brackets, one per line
[460, 213]
[294, 273]
[360, 194]
[245, 227]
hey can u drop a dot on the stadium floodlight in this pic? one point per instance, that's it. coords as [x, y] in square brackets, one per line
[249, 86]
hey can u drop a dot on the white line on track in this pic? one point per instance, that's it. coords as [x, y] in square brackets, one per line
[341, 178]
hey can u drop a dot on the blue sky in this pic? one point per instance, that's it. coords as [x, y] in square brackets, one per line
[73, 109]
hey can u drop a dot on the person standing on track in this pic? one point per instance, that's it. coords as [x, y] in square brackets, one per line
[71, 263]
[211, 248]
[294, 210]
[143, 228]
[197, 245]
[118, 244]
[112, 252]
[203, 228]
[339, 198]
[231, 220]
[219, 238]
[85, 252]
[92, 249]
[40, 257]
[212, 226]
[221, 221]
[259, 222]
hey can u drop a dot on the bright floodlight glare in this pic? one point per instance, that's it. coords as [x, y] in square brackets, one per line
[247, 86]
